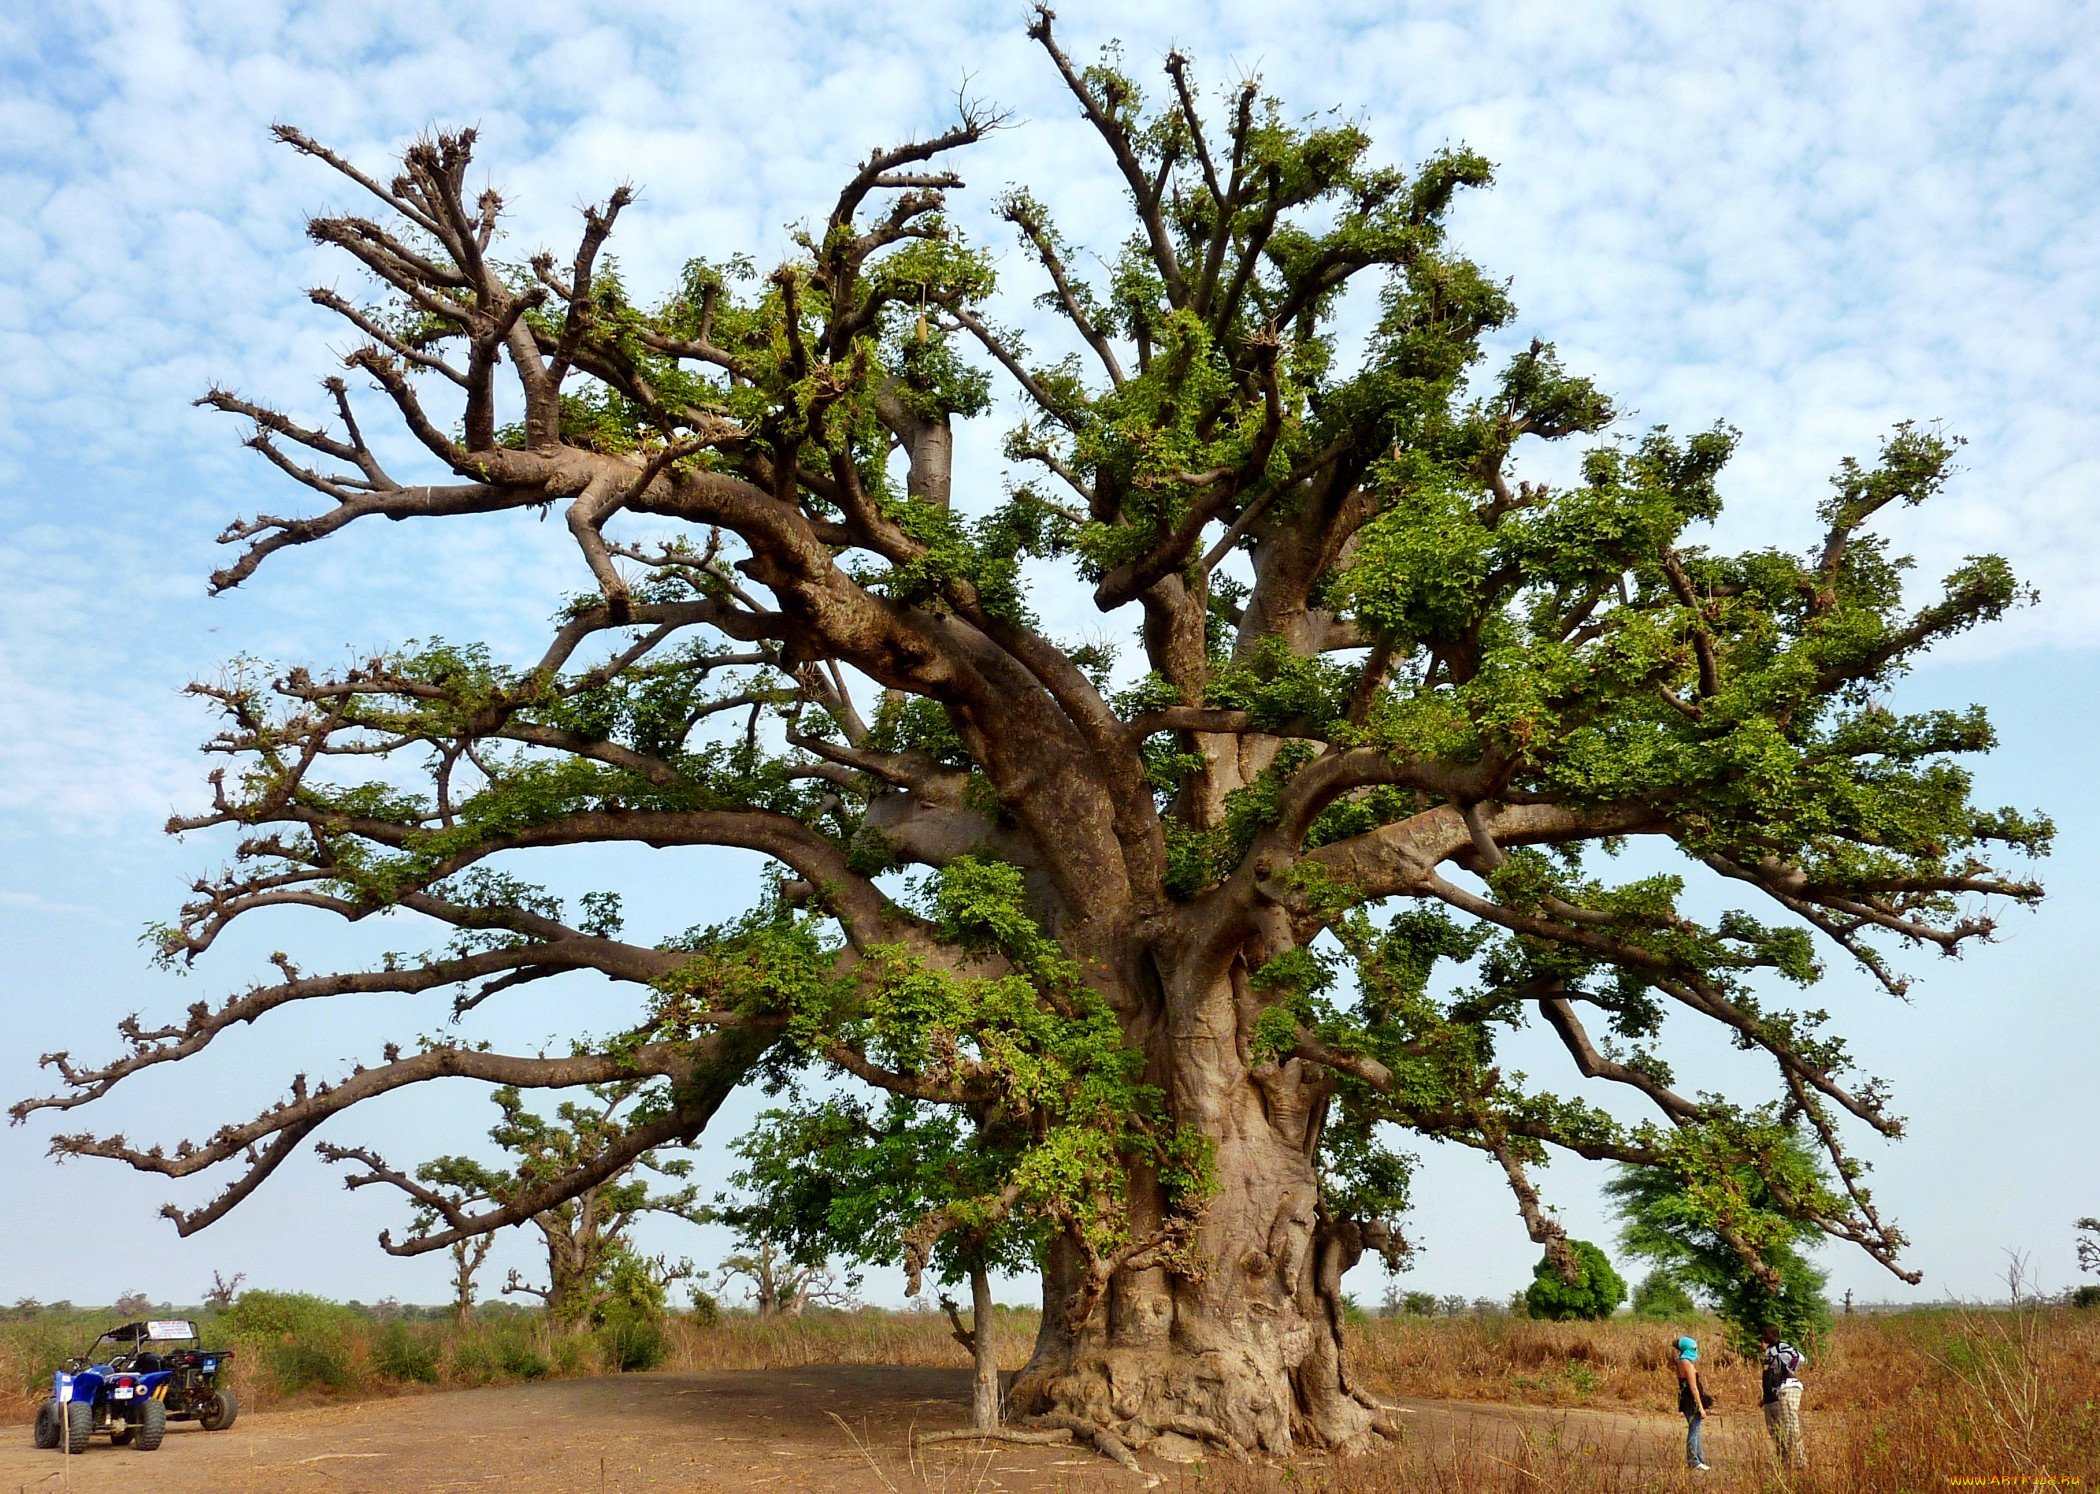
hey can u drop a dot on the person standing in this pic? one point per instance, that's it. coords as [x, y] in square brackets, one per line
[1692, 1400]
[1782, 1384]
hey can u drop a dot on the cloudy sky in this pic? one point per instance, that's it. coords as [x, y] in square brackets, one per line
[1810, 220]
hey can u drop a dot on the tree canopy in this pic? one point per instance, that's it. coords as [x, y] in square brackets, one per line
[1595, 1292]
[1736, 1236]
[1193, 921]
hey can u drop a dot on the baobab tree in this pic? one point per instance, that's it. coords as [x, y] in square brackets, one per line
[1194, 932]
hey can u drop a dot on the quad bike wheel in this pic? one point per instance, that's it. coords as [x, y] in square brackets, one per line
[152, 1426]
[47, 1425]
[217, 1414]
[80, 1426]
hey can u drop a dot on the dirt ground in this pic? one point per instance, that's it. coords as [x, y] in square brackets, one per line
[781, 1431]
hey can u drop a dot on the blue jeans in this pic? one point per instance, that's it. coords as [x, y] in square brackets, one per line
[1691, 1439]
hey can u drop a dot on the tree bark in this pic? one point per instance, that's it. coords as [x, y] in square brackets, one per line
[1246, 1353]
[984, 1358]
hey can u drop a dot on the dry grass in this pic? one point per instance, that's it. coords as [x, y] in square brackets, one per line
[1899, 1401]
[744, 1341]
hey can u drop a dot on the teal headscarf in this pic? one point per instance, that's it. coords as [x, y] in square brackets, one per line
[1688, 1348]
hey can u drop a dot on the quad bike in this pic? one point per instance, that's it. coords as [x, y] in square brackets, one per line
[154, 1373]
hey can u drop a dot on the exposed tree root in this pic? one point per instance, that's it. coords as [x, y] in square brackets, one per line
[1028, 1437]
[1101, 1438]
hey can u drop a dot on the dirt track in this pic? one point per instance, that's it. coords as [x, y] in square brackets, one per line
[780, 1431]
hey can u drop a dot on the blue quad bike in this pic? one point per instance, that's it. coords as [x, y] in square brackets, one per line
[153, 1373]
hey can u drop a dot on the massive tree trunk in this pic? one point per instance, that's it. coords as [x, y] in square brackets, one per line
[1246, 1352]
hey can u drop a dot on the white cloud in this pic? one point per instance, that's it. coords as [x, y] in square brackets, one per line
[1812, 221]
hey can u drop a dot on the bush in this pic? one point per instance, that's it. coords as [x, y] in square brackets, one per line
[39, 1349]
[2086, 1296]
[258, 1316]
[707, 1312]
[573, 1354]
[310, 1364]
[402, 1353]
[1596, 1291]
[1661, 1298]
[517, 1354]
[635, 1344]
[302, 1340]
[631, 1318]
[473, 1360]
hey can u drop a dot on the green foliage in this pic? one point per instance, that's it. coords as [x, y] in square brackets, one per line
[1682, 1219]
[302, 1340]
[1596, 1291]
[406, 1352]
[259, 1316]
[1060, 1112]
[707, 1311]
[1660, 1297]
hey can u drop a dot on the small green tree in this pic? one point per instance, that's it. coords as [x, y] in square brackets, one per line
[1730, 1223]
[1594, 1291]
[901, 1185]
[1662, 1298]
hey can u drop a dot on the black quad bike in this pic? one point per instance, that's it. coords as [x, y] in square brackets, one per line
[151, 1374]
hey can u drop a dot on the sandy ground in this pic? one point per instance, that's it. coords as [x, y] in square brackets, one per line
[781, 1431]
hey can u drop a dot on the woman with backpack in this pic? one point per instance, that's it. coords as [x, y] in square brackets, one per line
[1692, 1399]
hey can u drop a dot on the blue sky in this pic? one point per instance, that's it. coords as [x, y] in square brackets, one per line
[1809, 220]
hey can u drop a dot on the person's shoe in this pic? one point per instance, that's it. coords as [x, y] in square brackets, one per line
[1699, 1468]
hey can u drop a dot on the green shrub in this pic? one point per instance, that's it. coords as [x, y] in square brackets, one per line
[707, 1312]
[473, 1360]
[573, 1354]
[1661, 1298]
[40, 1348]
[300, 1339]
[634, 1344]
[310, 1364]
[1596, 1291]
[403, 1353]
[259, 1316]
[2086, 1296]
[631, 1318]
[518, 1355]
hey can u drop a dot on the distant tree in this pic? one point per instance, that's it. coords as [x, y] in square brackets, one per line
[220, 1294]
[1660, 1297]
[583, 1232]
[1594, 1290]
[24, 1308]
[1454, 1305]
[2088, 1260]
[781, 1286]
[1731, 1226]
[1419, 1304]
[133, 1305]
